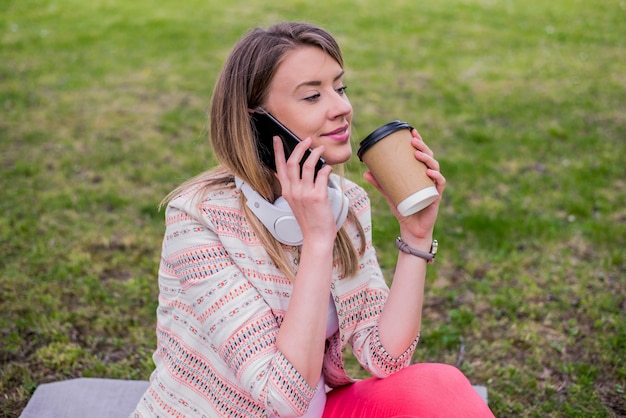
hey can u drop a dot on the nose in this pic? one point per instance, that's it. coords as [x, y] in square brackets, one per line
[340, 107]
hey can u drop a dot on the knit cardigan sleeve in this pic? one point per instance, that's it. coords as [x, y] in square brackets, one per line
[360, 302]
[215, 325]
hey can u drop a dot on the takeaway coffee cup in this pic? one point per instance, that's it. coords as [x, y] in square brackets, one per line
[388, 154]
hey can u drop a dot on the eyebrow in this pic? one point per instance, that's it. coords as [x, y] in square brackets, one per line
[317, 82]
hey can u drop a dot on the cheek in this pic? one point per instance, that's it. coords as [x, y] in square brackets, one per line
[298, 121]
[339, 154]
[307, 125]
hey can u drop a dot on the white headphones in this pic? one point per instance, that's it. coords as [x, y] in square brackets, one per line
[278, 217]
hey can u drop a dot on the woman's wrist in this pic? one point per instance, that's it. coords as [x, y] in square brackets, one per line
[318, 250]
[419, 243]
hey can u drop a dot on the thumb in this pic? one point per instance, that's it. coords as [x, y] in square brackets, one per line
[372, 180]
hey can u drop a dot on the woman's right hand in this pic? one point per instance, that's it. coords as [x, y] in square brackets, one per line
[307, 195]
[308, 198]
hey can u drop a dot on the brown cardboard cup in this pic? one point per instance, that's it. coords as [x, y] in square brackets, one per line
[388, 154]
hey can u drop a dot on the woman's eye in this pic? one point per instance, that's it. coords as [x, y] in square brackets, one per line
[314, 97]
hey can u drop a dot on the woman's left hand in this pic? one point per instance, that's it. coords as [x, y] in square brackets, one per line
[418, 225]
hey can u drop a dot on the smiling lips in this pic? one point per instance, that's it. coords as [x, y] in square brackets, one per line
[340, 134]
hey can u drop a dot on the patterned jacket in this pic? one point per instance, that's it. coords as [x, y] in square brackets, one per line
[222, 302]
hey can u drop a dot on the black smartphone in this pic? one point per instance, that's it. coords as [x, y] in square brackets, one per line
[265, 127]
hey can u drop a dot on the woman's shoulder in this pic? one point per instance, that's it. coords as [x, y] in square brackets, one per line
[352, 186]
[359, 199]
[204, 193]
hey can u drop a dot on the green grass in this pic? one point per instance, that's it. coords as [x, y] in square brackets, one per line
[102, 112]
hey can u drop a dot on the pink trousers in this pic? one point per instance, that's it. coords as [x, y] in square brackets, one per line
[421, 390]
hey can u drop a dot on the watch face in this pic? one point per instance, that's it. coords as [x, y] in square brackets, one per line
[433, 247]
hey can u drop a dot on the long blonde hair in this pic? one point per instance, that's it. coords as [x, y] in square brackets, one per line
[243, 84]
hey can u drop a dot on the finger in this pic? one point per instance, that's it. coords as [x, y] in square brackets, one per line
[416, 134]
[293, 163]
[372, 180]
[439, 180]
[419, 144]
[427, 159]
[323, 176]
[308, 168]
[279, 155]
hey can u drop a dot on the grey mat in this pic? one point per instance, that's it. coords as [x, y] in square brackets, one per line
[85, 397]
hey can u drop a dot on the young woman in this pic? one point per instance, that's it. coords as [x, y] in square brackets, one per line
[248, 326]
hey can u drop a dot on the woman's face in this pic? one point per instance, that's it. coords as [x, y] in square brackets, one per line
[308, 96]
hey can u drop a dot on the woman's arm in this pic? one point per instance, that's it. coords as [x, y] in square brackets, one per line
[303, 331]
[400, 321]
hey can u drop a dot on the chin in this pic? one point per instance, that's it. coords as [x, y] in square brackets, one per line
[338, 159]
[338, 154]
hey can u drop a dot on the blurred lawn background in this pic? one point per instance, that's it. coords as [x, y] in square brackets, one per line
[103, 111]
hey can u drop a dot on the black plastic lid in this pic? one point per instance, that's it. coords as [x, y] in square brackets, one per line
[379, 134]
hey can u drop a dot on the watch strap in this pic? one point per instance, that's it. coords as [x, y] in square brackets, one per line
[428, 256]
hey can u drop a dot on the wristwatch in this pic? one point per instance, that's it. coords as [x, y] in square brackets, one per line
[429, 256]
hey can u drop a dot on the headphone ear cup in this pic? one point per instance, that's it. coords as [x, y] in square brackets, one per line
[278, 217]
[286, 228]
